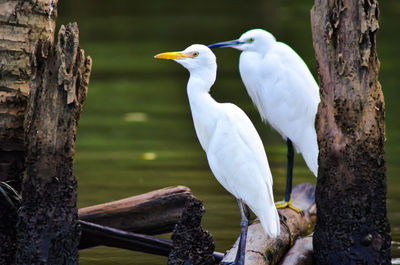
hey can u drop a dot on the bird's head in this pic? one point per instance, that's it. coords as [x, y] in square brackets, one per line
[199, 60]
[257, 40]
[196, 57]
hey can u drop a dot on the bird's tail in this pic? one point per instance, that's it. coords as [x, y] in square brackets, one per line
[269, 219]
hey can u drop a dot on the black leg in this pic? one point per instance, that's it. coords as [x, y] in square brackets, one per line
[244, 212]
[289, 174]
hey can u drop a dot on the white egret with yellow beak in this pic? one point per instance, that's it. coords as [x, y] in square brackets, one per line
[234, 149]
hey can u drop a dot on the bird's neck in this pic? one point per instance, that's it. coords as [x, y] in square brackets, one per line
[203, 107]
[198, 89]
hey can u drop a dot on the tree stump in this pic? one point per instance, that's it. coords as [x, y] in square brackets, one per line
[48, 230]
[23, 23]
[352, 225]
[191, 245]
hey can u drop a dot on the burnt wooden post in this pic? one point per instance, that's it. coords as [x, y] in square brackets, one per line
[22, 24]
[191, 244]
[48, 230]
[352, 226]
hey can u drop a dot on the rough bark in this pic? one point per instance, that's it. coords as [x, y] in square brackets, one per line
[352, 226]
[22, 24]
[155, 212]
[191, 244]
[48, 230]
[261, 249]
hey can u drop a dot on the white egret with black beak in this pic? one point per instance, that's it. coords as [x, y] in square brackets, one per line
[234, 149]
[285, 93]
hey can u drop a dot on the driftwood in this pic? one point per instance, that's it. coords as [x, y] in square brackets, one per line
[155, 212]
[301, 253]
[262, 250]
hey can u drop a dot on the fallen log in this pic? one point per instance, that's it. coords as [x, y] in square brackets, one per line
[301, 253]
[261, 249]
[155, 212]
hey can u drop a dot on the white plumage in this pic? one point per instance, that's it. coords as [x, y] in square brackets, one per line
[234, 149]
[282, 88]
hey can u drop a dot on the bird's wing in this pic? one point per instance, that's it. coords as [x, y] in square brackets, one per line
[285, 94]
[237, 158]
[296, 66]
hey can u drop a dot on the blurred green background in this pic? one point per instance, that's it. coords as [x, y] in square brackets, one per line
[136, 133]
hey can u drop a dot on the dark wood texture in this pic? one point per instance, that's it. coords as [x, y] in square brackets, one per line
[352, 226]
[23, 23]
[191, 244]
[155, 212]
[261, 249]
[48, 230]
[98, 235]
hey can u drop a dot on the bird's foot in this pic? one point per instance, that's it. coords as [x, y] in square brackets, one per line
[288, 204]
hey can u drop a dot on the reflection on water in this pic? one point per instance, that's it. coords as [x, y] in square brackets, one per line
[136, 132]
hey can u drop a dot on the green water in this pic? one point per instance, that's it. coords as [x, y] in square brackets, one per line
[122, 36]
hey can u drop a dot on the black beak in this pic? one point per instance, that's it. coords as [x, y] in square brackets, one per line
[226, 44]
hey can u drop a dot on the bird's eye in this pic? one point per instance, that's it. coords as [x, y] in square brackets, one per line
[195, 54]
[250, 40]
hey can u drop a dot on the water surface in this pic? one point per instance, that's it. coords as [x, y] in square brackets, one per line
[138, 105]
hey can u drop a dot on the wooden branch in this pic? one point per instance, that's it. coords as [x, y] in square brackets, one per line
[48, 230]
[96, 235]
[151, 213]
[301, 253]
[263, 250]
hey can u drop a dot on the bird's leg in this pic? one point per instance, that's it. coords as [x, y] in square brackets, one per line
[244, 212]
[289, 175]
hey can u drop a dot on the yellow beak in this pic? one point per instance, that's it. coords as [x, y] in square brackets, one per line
[172, 55]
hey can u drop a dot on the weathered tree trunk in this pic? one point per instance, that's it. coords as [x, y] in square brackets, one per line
[352, 226]
[22, 24]
[260, 249]
[155, 212]
[48, 230]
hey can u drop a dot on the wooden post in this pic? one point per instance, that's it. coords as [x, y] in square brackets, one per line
[260, 249]
[191, 244]
[23, 23]
[352, 226]
[48, 230]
